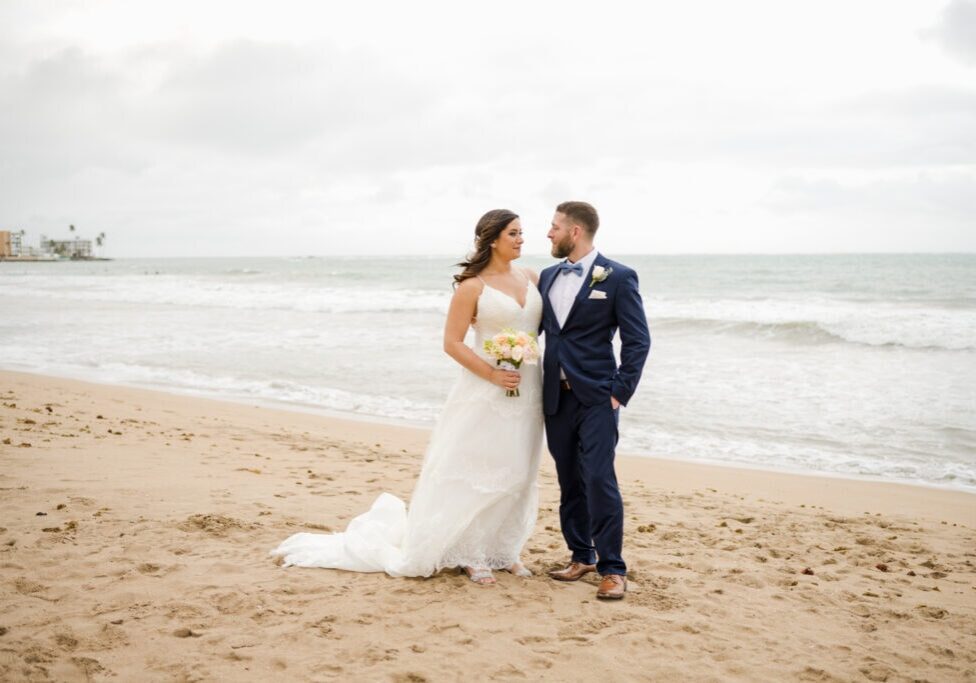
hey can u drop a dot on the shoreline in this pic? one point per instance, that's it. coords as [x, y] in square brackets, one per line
[835, 490]
[384, 421]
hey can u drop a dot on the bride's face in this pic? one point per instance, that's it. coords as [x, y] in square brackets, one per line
[508, 245]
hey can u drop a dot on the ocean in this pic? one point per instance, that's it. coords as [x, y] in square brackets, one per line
[854, 365]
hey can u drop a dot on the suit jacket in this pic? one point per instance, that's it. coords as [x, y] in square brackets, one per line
[583, 347]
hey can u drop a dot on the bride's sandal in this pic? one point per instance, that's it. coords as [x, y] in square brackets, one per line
[482, 577]
[520, 569]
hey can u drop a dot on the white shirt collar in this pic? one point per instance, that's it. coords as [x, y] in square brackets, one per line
[587, 261]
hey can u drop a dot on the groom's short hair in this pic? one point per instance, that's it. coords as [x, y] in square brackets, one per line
[582, 214]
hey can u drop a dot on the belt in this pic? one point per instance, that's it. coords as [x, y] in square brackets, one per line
[564, 385]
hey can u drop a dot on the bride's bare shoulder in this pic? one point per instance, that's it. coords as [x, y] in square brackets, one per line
[532, 275]
[469, 289]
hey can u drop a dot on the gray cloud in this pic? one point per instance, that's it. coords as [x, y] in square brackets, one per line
[258, 98]
[63, 113]
[956, 30]
[338, 112]
[915, 126]
[948, 196]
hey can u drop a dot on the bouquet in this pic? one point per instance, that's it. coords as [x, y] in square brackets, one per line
[511, 348]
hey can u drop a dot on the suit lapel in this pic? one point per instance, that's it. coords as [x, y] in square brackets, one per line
[547, 285]
[547, 282]
[585, 289]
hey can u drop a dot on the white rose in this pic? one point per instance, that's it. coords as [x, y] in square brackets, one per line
[598, 272]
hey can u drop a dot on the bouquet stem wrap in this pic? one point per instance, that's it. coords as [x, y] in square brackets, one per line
[510, 365]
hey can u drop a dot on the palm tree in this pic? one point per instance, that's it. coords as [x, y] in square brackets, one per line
[71, 228]
[100, 239]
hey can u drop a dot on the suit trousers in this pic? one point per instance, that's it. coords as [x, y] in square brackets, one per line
[582, 440]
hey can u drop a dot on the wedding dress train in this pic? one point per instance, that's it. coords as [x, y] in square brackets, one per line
[476, 500]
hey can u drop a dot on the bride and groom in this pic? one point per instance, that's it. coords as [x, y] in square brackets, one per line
[475, 502]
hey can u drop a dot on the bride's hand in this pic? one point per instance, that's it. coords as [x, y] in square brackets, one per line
[506, 379]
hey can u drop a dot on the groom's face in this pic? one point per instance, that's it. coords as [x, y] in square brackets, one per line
[563, 235]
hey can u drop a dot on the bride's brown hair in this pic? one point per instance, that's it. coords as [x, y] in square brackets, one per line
[487, 230]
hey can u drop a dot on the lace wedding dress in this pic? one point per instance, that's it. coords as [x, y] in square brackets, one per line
[476, 500]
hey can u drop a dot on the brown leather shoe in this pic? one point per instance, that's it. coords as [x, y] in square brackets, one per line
[574, 572]
[612, 587]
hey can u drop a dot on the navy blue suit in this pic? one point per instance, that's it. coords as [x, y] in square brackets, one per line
[581, 424]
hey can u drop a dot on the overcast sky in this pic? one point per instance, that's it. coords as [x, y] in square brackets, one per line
[230, 128]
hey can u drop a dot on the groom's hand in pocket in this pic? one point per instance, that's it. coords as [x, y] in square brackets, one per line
[614, 402]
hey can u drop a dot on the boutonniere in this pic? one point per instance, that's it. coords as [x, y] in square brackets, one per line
[600, 274]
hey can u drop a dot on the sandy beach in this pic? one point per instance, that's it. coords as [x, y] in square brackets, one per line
[136, 526]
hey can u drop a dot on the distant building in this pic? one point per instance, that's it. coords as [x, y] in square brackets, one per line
[11, 244]
[12, 247]
[76, 248]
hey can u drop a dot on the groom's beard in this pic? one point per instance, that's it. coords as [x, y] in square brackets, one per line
[562, 249]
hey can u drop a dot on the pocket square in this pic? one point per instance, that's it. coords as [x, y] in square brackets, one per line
[597, 294]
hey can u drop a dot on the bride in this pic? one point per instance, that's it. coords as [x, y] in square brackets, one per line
[475, 502]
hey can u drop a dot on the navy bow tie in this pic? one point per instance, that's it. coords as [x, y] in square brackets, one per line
[566, 268]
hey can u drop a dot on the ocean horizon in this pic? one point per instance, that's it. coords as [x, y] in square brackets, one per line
[859, 365]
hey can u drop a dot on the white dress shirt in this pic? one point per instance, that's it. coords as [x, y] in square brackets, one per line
[564, 289]
[566, 286]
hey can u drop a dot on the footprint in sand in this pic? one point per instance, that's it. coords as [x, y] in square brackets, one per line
[876, 671]
[813, 674]
[217, 525]
[66, 641]
[28, 587]
[91, 667]
[325, 628]
[931, 612]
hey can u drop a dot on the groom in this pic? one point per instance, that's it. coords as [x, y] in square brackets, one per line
[586, 299]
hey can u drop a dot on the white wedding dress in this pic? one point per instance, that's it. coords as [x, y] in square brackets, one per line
[476, 500]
